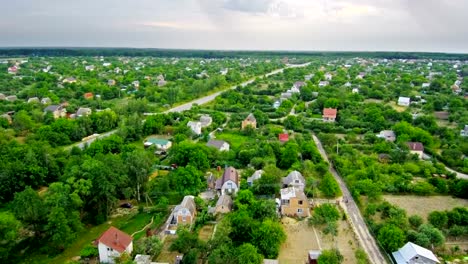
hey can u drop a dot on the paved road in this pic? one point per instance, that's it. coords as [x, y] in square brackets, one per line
[459, 175]
[187, 106]
[365, 238]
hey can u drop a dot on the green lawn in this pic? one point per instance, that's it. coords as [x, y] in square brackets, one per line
[235, 140]
[128, 223]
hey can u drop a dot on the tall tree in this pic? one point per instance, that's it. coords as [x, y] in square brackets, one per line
[139, 165]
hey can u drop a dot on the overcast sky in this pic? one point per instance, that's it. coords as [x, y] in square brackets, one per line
[387, 25]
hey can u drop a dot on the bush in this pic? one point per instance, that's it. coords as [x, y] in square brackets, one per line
[438, 219]
[323, 214]
[332, 256]
[415, 221]
[89, 251]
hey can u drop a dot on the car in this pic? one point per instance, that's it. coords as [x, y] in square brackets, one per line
[126, 205]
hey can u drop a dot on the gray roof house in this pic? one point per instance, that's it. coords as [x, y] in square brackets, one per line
[294, 179]
[413, 254]
[33, 100]
[218, 144]
[257, 175]
[464, 132]
[11, 98]
[83, 111]
[229, 182]
[388, 135]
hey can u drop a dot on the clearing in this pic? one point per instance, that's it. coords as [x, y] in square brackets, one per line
[166, 255]
[302, 238]
[206, 232]
[423, 205]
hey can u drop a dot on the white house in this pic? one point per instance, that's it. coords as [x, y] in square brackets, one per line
[464, 132]
[218, 144]
[328, 76]
[404, 101]
[229, 182]
[257, 175]
[206, 120]
[294, 179]
[277, 104]
[323, 83]
[112, 244]
[355, 90]
[413, 254]
[195, 126]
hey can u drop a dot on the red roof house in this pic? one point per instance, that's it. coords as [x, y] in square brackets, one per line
[112, 244]
[416, 148]
[88, 96]
[329, 114]
[283, 137]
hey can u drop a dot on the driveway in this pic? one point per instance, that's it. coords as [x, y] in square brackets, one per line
[365, 238]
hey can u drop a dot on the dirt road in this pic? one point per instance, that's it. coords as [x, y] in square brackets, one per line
[366, 240]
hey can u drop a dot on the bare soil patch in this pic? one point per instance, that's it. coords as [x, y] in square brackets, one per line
[423, 205]
[166, 255]
[206, 232]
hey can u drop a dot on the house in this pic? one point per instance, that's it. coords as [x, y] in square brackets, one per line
[112, 244]
[294, 202]
[69, 80]
[13, 69]
[416, 148]
[218, 144]
[89, 68]
[83, 111]
[299, 85]
[33, 100]
[347, 84]
[411, 253]
[46, 100]
[57, 110]
[249, 121]
[160, 144]
[329, 114]
[355, 90]
[286, 95]
[223, 205]
[308, 77]
[464, 132]
[2, 96]
[88, 96]
[456, 89]
[323, 83]
[388, 135]
[106, 64]
[294, 179]
[257, 175]
[224, 71]
[142, 259]
[7, 117]
[11, 98]
[229, 182]
[195, 126]
[425, 85]
[184, 213]
[111, 82]
[162, 83]
[283, 137]
[361, 75]
[328, 76]
[277, 104]
[404, 101]
[136, 84]
[206, 120]
[313, 256]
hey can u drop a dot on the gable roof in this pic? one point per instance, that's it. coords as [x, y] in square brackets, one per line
[52, 108]
[415, 146]
[404, 99]
[257, 175]
[411, 250]
[283, 137]
[115, 239]
[251, 118]
[292, 177]
[224, 200]
[230, 173]
[330, 112]
[292, 192]
[216, 143]
[187, 203]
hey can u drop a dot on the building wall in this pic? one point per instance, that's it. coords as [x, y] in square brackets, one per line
[226, 189]
[246, 123]
[107, 256]
[293, 206]
[419, 153]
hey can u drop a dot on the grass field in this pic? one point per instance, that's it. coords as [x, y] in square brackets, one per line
[128, 223]
[166, 255]
[423, 205]
[235, 140]
[206, 232]
[398, 108]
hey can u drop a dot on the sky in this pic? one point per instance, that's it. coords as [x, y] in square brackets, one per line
[309, 25]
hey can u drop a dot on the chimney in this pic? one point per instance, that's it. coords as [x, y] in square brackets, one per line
[116, 239]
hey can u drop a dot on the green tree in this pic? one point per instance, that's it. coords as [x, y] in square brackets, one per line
[323, 214]
[438, 219]
[139, 164]
[332, 256]
[391, 237]
[149, 246]
[9, 233]
[415, 221]
[29, 208]
[329, 187]
[247, 254]
[268, 238]
[289, 156]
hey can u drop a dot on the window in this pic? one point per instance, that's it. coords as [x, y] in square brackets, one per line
[300, 202]
[297, 181]
[184, 218]
[299, 211]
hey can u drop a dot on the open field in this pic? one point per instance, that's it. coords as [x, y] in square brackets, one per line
[398, 108]
[206, 232]
[166, 255]
[235, 140]
[302, 238]
[423, 205]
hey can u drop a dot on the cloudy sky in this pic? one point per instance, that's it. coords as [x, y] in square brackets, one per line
[344, 25]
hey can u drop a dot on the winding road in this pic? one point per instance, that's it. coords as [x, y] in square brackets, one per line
[365, 238]
[187, 106]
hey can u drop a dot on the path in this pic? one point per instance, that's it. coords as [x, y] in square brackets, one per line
[365, 238]
[144, 228]
[187, 106]
[459, 175]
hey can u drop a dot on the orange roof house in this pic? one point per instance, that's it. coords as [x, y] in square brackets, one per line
[283, 137]
[329, 114]
[88, 96]
[112, 244]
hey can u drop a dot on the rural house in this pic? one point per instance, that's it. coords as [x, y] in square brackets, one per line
[404, 101]
[161, 144]
[223, 205]
[220, 145]
[206, 120]
[57, 110]
[83, 111]
[329, 114]
[283, 137]
[184, 213]
[294, 202]
[313, 256]
[257, 175]
[112, 244]
[388, 135]
[249, 121]
[416, 148]
[411, 253]
[229, 182]
[294, 179]
[195, 126]
[464, 132]
[69, 80]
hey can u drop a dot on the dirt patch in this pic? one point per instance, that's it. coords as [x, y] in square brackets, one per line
[397, 108]
[422, 205]
[206, 232]
[166, 255]
[345, 242]
[300, 239]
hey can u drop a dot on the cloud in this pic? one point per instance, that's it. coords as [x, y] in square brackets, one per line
[249, 6]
